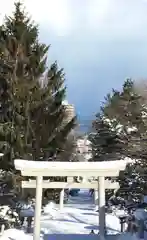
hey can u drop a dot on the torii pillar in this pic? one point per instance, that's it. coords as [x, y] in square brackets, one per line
[101, 201]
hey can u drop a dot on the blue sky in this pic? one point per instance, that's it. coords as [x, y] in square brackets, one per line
[98, 43]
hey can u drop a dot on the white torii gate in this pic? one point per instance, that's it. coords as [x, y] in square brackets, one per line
[70, 184]
[96, 169]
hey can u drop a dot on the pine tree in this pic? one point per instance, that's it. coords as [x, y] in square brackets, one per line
[32, 112]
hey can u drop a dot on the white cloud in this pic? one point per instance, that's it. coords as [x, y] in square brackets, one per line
[6, 8]
[54, 14]
[102, 17]
[117, 18]
[97, 12]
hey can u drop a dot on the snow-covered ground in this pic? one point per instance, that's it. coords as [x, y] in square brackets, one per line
[77, 217]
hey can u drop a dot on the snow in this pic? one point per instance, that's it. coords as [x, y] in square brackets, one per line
[145, 199]
[128, 236]
[75, 221]
[14, 234]
[27, 213]
[140, 214]
[65, 166]
[65, 102]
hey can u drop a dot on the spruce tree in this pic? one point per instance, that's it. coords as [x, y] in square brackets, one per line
[32, 112]
[126, 116]
[106, 142]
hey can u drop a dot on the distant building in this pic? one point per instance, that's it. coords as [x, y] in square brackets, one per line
[69, 111]
[84, 150]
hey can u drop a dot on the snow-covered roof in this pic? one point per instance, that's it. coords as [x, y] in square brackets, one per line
[65, 102]
[33, 168]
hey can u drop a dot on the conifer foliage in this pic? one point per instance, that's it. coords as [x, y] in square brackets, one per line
[106, 143]
[120, 130]
[123, 115]
[31, 94]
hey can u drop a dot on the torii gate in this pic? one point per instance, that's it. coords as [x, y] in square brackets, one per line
[96, 169]
[70, 184]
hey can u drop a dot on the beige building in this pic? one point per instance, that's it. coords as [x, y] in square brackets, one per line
[84, 149]
[70, 112]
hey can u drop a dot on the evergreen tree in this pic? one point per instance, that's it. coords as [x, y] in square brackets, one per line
[31, 112]
[126, 116]
[106, 142]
